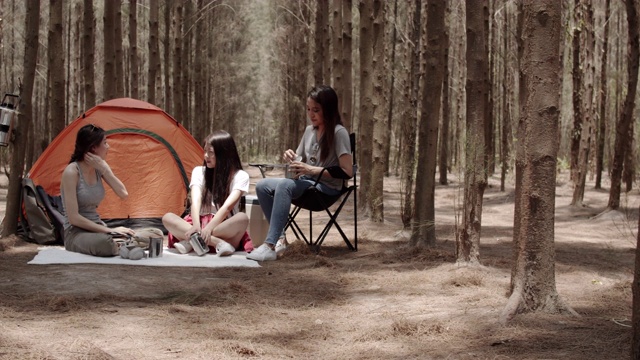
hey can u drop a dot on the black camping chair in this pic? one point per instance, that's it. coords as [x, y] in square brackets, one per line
[315, 201]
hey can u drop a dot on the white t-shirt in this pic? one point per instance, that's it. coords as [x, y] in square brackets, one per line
[240, 182]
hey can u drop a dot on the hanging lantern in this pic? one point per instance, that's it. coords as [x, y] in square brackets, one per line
[8, 116]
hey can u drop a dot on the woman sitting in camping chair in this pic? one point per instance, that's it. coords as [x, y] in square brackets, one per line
[82, 191]
[324, 143]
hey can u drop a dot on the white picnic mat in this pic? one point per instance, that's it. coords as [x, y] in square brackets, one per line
[170, 257]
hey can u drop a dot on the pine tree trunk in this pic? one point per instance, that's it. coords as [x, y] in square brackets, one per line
[168, 98]
[133, 49]
[346, 101]
[177, 60]
[119, 57]
[602, 121]
[533, 274]
[623, 127]
[336, 49]
[577, 91]
[366, 103]
[468, 241]
[56, 68]
[154, 51]
[320, 51]
[635, 309]
[587, 43]
[409, 120]
[88, 48]
[443, 159]
[423, 230]
[109, 80]
[24, 121]
[380, 136]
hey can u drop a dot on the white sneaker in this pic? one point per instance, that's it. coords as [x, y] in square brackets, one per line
[263, 253]
[281, 245]
[224, 249]
[183, 247]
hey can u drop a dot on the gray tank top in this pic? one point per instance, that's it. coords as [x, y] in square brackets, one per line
[89, 197]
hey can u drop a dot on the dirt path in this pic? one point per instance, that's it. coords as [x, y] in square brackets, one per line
[384, 301]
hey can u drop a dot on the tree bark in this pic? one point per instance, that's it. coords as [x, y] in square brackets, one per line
[133, 49]
[587, 44]
[109, 80]
[409, 120]
[56, 68]
[119, 57]
[602, 121]
[468, 241]
[380, 136]
[443, 159]
[32, 25]
[366, 104]
[154, 51]
[177, 59]
[623, 127]
[320, 52]
[423, 232]
[346, 101]
[88, 48]
[533, 276]
[635, 309]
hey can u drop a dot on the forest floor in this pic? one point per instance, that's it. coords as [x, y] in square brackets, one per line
[385, 301]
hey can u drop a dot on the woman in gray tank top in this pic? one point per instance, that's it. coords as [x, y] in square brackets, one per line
[82, 191]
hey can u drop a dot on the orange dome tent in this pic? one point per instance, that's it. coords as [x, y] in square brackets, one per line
[149, 151]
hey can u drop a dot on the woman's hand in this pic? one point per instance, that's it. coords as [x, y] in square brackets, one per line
[97, 163]
[206, 233]
[289, 155]
[192, 229]
[300, 168]
[123, 230]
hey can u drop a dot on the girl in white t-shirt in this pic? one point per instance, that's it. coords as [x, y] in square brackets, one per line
[216, 188]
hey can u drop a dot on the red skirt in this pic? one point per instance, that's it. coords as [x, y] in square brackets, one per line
[245, 242]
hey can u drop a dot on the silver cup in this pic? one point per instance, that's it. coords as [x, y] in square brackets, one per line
[155, 247]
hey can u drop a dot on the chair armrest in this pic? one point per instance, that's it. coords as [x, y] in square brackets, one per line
[338, 173]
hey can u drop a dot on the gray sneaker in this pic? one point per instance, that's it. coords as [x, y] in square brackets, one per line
[263, 253]
[183, 246]
[224, 249]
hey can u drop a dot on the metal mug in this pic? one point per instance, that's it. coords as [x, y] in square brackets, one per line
[155, 247]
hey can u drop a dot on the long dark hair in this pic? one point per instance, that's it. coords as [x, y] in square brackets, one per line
[328, 100]
[87, 138]
[218, 179]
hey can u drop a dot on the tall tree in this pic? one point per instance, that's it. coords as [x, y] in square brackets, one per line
[32, 28]
[178, 58]
[346, 101]
[55, 68]
[443, 151]
[587, 44]
[119, 57]
[336, 48]
[623, 135]
[109, 32]
[409, 118]
[533, 286]
[475, 178]
[380, 136]
[88, 48]
[154, 51]
[635, 311]
[602, 120]
[423, 230]
[133, 48]
[321, 51]
[366, 102]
